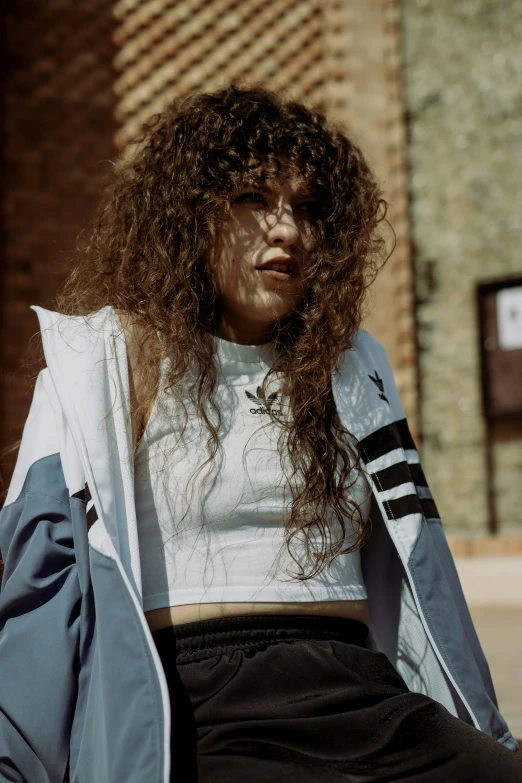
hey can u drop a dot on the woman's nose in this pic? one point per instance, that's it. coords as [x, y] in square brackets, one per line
[284, 231]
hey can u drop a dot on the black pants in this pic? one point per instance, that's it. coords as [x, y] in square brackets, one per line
[294, 699]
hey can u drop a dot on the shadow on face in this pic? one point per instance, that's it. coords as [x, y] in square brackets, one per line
[262, 259]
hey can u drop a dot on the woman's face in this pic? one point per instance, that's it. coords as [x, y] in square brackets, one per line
[264, 252]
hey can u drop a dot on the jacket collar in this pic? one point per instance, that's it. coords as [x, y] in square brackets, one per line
[87, 362]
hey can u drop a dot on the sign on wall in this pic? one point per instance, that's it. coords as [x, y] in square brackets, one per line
[509, 318]
[500, 328]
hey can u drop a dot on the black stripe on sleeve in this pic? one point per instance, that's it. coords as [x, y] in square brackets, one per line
[380, 442]
[92, 516]
[401, 507]
[387, 438]
[418, 475]
[407, 441]
[85, 495]
[392, 477]
[429, 509]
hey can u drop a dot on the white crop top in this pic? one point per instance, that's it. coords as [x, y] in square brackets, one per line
[227, 545]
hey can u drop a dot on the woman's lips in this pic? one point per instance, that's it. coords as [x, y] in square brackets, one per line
[280, 277]
[281, 270]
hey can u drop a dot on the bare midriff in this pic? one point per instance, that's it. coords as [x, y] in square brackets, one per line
[190, 613]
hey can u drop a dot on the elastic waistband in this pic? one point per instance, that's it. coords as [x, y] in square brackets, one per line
[205, 638]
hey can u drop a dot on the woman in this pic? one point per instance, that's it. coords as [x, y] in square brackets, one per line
[222, 560]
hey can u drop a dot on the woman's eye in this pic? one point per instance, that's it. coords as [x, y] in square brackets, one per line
[255, 197]
[308, 207]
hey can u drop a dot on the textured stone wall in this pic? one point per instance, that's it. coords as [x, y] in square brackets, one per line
[462, 62]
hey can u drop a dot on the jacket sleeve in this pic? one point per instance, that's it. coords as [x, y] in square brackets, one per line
[434, 552]
[40, 604]
[441, 545]
[438, 537]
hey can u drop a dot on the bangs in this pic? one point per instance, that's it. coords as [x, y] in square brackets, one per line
[268, 170]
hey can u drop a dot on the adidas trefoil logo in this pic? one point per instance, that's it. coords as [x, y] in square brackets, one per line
[260, 409]
[380, 385]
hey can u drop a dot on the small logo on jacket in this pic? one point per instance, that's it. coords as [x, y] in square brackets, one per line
[260, 409]
[380, 385]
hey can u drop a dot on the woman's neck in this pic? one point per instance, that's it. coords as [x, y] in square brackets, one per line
[244, 334]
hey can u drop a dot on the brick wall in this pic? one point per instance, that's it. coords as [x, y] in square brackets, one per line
[58, 127]
[464, 98]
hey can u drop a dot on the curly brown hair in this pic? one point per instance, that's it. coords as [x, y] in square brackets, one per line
[148, 254]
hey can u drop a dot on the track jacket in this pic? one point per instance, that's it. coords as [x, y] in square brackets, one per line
[83, 696]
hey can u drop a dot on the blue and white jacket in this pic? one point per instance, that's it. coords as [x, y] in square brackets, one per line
[83, 696]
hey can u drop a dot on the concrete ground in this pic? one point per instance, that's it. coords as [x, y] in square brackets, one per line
[493, 588]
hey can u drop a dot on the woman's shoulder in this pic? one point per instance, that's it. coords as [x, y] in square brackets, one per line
[366, 365]
[97, 325]
[369, 348]
[66, 341]
[92, 320]
[373, 366]
[62, 333]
